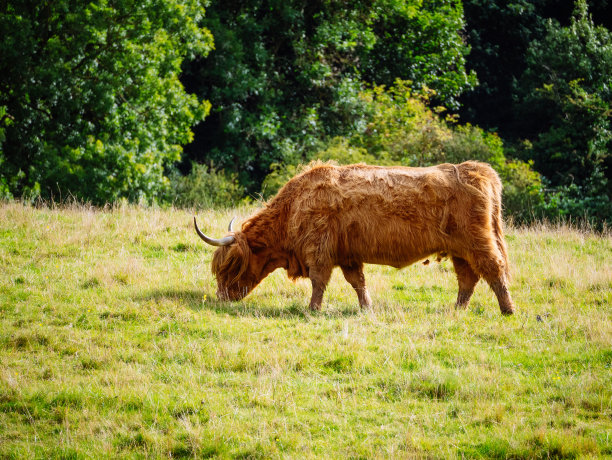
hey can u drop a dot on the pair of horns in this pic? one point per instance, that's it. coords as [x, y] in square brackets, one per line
[225, 241]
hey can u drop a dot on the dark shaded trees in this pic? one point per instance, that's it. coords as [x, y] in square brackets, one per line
[499, 33]
[565, 107]
[544, 68]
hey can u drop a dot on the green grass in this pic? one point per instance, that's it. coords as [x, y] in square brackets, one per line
[113, 345]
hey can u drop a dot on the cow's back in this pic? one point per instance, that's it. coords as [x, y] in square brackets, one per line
[371, 214]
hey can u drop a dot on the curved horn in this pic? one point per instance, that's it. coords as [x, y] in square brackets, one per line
[230, 227]
[225, 241]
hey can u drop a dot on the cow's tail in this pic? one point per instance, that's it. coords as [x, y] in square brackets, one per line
[498, 222]
[498, 230]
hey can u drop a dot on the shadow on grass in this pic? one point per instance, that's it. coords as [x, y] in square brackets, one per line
[200, 300]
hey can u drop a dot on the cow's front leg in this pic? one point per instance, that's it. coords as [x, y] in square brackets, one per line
[354, 275]
[319, 276]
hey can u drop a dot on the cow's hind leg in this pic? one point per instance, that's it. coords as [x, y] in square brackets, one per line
[354, 275]
[491, 267]
[467, 280]
[500, 287]
[319, 277]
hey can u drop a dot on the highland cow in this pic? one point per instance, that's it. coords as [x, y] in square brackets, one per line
[347, 216]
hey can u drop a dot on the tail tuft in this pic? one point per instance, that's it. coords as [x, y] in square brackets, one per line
[499, 232]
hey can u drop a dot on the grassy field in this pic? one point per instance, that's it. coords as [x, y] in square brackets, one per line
[112, 345]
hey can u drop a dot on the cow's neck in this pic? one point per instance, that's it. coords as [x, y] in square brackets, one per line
[266, 234]
[266, 229]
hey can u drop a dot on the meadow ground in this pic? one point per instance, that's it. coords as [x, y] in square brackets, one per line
[113, 345]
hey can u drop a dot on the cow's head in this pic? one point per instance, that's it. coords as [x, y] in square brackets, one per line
[237, 267]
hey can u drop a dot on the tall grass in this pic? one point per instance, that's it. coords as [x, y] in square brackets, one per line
[112, 344]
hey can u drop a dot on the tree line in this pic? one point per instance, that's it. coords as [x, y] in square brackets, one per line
[206, 104]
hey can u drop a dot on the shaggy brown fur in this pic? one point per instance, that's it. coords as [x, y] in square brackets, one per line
[346, 216]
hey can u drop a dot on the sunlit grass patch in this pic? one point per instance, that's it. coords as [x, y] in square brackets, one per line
[113, 344]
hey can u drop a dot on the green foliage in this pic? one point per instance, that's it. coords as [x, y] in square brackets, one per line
[340, 151]
[400, 126]
[286, 76]
[279, 174]
[204, 187]
[579, 203]
[566, 94]
[93, 95]
[91, 104]
[3, 120]
[545, 86]
[469, 142]
[420, 42]
[524, 194]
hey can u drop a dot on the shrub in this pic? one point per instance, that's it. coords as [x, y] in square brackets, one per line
[400, 127]
[467, 142]
[4, 188]
[340, 151]
[577, 203]
[524, 197]
[205, 187]
[279, 175]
